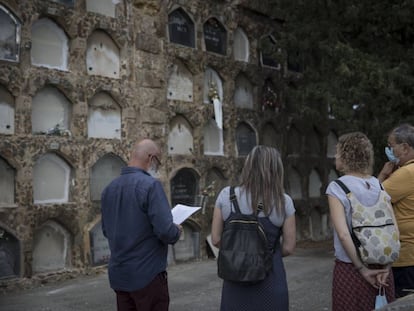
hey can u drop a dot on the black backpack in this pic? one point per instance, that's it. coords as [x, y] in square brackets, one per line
[244, 254]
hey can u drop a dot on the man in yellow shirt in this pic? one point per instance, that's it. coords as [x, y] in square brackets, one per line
[397, 177]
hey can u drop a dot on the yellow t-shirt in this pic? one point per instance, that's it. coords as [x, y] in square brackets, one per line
[400, 186]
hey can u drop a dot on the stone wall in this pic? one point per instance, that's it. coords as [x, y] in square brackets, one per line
[146, 57]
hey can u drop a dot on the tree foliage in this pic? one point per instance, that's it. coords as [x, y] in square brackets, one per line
[357, 57]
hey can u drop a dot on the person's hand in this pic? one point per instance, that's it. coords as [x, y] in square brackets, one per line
[382, 277]
[180, 228]
[371, 275]
[387, 170]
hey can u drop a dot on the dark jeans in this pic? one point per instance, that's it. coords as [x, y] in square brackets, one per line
[404, 280]
[153, 297]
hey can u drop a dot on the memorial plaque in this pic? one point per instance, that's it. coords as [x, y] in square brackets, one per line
[9, 255]
[184, 187]
[10, 31]
[181, 28]
[215, 37]
[246, 139]
[100, 251]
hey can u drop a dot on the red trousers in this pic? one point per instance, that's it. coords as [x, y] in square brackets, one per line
[153, 297]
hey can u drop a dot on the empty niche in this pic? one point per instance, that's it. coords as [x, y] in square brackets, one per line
[180, 83]
[7, 183]
[181, 28]
[103, 172]
[104, 7]
[269, 52]
[245, 139]
[315, 184]
[333, 175]
[241, 48]
[331, 145]
[243, 95]
[294, 139]
[9, 35]
[184, 187]
[104, 117]
[102, 55]
[180, 138]
[51, 176]
[49, 45]
[9, 255]
[100, 251]
[212, 86]
[270, 136]
[51, 248]
[294, 184]
[6, 112]
[215, 36]
[50, 110]
[213, 139]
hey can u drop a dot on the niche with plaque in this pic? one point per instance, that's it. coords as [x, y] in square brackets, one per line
[9, 255]
[181, 28]
[269, 52]
[215, 36]
[245, 139]
[10, 35]
[180, 138]
[184, 187]
[100, 251]
[180, 83]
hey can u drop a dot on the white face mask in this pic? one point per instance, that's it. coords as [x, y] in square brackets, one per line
[153, 170]
[389, 152]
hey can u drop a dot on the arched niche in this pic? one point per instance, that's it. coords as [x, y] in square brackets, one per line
[49, 45]
[50, 110]
[241, 47]
[184, 187]
[313, 142]
[104, 7]
[268, 51]
[333, 175]
[213, 139]
[9, 35]
[212, 85]
[7, 109]
[51, 248]
[294, 184]
[331, 145]
[181, 28]
[215, 36]
[295, 141]
[99, 246]
[188, 246]
[51, 179]
[9, 255]
[214, 182]
[180, 137]
[103, 172]
[7, 183]
[243, 95]
[180, 83]
[245, 139]
[315, 184]
[270, 136]
[102, 55]
[104, 117]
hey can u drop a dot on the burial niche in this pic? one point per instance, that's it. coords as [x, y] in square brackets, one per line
[104, 7]
[241, 47]
[103, 172]
[100, 251]
[9, 35]
[245, 139]
[270, 136]
[215, 36]
[6, 112]
[180, 138]
[181, 28]
[269, 52]
[7, 183]
[9, 255]
[331, 146]
[51, 176]
[295, 143]
[49, 45]
[333, 175]
[180, 83]
[213, 139]
[69, 3]
[104, 117]
[51, 248]
[243, 95]
[213, 93]
[313, 143]
[184, 187]
[51, 112]
[294, 184]
[315, 184]
[102, 55]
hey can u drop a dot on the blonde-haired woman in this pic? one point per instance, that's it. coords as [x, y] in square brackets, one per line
[261, 182]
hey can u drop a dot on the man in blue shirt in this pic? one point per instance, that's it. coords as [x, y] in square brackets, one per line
[137, 221]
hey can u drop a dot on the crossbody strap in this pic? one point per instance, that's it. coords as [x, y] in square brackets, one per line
[233, 200]
[342, 185]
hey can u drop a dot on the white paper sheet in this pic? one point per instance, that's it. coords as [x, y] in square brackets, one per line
[181, 212]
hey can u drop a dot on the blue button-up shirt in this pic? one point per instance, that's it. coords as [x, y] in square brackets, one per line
[137, 221]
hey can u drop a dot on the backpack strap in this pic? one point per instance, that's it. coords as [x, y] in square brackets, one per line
[233, 199]
[342, 185]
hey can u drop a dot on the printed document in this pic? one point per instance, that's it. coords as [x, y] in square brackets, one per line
[181, 212]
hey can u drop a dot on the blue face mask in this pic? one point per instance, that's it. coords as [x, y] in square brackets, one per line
[390, 155]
